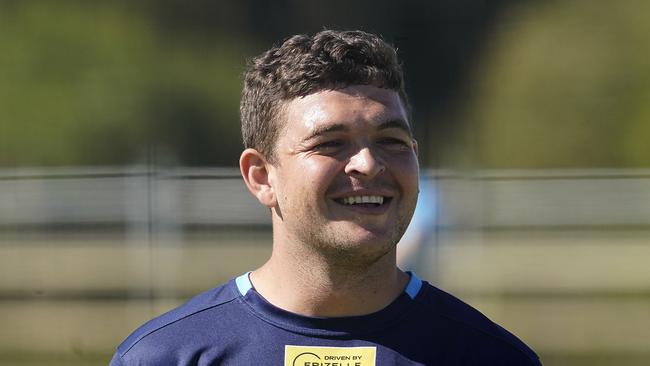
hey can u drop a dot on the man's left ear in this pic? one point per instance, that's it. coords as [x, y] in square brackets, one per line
[415, 147]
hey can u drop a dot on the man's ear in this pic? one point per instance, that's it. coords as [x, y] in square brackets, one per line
[255, 171]
[415, 147]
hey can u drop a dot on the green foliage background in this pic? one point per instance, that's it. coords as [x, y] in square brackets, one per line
[551, 84]
[97, 84]
[564, 84]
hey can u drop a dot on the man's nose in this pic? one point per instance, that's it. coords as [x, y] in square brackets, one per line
[365, 164]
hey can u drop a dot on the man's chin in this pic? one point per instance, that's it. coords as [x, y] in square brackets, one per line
[362, 239]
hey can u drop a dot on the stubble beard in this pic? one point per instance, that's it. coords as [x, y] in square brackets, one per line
[339, 246]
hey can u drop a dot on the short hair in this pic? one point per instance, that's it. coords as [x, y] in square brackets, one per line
[304, 65]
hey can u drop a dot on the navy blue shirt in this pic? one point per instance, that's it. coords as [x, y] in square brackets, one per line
[234, 325]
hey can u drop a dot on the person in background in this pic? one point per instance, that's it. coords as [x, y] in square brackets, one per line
[414, 248]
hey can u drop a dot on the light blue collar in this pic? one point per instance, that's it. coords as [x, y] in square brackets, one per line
[412, 288]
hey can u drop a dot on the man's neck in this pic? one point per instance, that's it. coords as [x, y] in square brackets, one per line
[310, 286]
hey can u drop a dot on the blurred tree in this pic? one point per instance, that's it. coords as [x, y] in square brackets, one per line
[566, 84]
[93, 83]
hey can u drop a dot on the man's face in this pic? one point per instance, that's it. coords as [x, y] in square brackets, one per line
[346, 174]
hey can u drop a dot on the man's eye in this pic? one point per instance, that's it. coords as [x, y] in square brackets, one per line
[329, 145]
[393, 141]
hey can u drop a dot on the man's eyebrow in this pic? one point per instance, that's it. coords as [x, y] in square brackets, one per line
[396, 123]
[336, 127]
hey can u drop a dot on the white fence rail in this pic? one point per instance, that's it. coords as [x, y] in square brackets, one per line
[487, 199]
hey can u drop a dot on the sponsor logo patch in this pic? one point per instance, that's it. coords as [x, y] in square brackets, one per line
[329, 356]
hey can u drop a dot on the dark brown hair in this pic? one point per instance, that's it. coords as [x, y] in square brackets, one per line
[303, 65]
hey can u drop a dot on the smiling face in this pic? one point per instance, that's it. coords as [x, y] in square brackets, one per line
[345, 178]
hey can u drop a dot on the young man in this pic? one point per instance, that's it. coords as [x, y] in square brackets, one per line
[330, 152]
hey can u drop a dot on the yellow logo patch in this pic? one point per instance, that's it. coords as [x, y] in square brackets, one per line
[329, 356]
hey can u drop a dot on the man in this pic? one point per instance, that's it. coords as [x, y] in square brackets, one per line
[330, 152]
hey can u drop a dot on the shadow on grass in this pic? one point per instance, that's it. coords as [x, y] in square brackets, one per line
[596, 359]
[54, 359]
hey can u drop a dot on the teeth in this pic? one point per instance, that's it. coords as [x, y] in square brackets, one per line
[363, 199]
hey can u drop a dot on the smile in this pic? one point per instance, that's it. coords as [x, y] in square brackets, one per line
[355, 200]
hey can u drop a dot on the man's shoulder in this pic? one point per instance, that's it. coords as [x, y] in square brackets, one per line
[469, 324]
[210, 300]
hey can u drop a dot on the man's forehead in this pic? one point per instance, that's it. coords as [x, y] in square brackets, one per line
[380, 95]
[347, 106]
